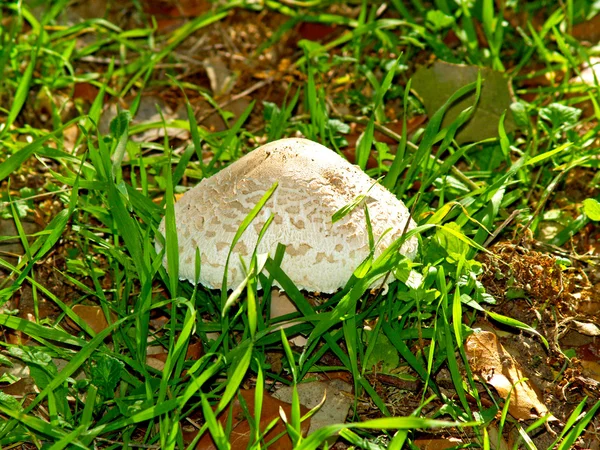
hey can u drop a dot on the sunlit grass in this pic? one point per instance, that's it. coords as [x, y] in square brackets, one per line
[114, 192]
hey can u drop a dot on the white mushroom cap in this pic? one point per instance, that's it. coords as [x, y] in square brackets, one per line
[314, 183]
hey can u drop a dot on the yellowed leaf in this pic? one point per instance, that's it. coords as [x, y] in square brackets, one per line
[488, 359]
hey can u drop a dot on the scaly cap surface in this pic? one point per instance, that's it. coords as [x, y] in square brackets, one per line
[314, 183]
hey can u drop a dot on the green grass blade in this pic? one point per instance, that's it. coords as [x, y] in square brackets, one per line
[22, 92]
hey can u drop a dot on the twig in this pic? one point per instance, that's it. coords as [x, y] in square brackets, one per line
[233, 98]
[503, 226]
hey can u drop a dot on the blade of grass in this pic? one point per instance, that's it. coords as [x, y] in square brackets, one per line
[22, 91]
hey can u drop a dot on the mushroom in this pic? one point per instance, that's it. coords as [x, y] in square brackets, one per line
[313, 184]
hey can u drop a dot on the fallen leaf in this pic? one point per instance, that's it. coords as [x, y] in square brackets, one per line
[93, 316]
[589, 329]
[488, 359]
[591, 369]
[170, 15]
[336, 406]
[147, 113]
[588, 30]
[497, 441]
[384, 354]
[589, 73]
[589, 306]
[281, 305]
[221, 78]
[240, 433]
[314, 31]
[434, 86]
[413, 124]
[437, 444]
[86, 92]
[194, 352]
[70, 135]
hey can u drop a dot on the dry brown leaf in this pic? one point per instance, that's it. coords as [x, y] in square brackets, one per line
[591, 369]
[281, 305]
[240, 433]
[155, 363]
[170, 15]
[587, 328]
[86, 92]
[194, 352]
[93, 316]
[488, 359]
[588, 30]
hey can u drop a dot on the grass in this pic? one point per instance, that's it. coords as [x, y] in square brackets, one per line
[104, 194]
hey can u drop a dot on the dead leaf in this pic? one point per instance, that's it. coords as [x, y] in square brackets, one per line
[497, 441]
[93, 316]
[194, 352]
[413, 124]
[155, 363]
[589, 306]
[434, 86]
[170, 15]
[86, 92]
[240, 433]
[488, 359]
[336, 406]
[221, 78]
[281, 305]
[589, 329]
[148, 113]
[591, 369]
[437, 444]
[314, 31]
[588, 30]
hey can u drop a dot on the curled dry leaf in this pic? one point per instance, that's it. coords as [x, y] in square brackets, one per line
[488, 359]
[587, 328]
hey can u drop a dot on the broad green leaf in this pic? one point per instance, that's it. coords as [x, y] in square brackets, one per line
[435, 85]
[591, 208]
[560, 115]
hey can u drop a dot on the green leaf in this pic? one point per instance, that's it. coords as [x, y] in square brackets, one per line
[520, 115]
[384, 352]
[22, 92]
[560, 115]
[9, 402]
[437, 20]
[347, 209]
[106, 373]
[436, 84]
[449, 241]
[591, 208]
